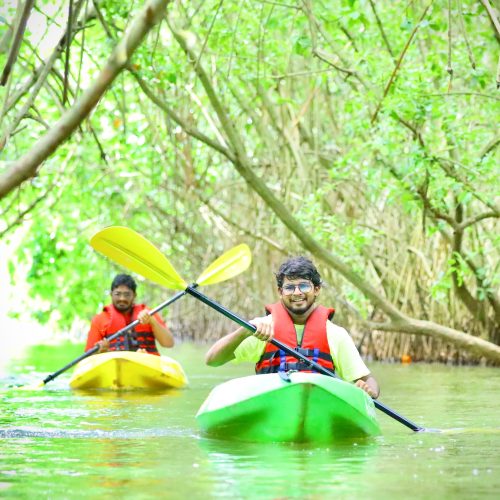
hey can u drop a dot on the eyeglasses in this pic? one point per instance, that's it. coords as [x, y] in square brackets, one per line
[303, 288]
[125, 295]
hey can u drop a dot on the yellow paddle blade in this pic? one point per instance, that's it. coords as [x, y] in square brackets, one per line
[233, 262]
[136, 253]
[31, 387]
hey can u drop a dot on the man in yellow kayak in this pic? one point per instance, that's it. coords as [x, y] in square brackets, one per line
[123, 311]
[298, 322]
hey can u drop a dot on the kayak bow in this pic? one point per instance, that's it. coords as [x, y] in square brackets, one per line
[300, 407]
[128, 370]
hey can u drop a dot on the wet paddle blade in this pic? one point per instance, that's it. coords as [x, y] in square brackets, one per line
[231, 263]
[136, 253]
[31, 387]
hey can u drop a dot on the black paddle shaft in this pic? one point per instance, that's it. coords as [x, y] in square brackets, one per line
[94, 349]
[292, 352]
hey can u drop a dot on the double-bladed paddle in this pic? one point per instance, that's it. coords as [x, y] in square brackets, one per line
[292, 352]
[142, 257]
[153, 265]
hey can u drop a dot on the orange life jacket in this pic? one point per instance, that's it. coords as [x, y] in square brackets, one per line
[139, 337]
[314, 343]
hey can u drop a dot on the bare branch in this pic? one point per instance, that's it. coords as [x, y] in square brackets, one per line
[473, 220]
[37, 78]
[473, 344]
[20, 216]
[177, 119]
[27, 166]
[16, 44]
[68, 47]
[314, 26]
[449, 67]
[103, 22]
[382, 31]
[466, 39]
[490, 147]
[492, 14]
[250, 233]
[323, 56]
[416, 133]
[451, 94]
[400, 60]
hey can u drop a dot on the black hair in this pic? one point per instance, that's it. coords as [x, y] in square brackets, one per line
[124, 279]
[298, 267]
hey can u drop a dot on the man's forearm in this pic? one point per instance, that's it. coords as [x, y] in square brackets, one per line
[162, 333]
[223, 350]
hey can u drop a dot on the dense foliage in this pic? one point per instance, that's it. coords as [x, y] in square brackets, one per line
[373, 125]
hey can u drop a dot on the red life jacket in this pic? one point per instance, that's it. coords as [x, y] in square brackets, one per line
[139, 337]
[314, 343]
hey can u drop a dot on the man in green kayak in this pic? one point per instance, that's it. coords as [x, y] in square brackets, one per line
[119, 314]
[298, 322]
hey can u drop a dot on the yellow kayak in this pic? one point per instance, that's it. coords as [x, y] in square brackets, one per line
[128, 370]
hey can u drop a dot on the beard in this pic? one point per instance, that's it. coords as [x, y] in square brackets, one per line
[123, 307]
[297, 309]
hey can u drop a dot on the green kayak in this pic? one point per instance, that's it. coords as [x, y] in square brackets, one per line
[301, 408]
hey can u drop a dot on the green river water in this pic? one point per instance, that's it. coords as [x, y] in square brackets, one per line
[58, 443]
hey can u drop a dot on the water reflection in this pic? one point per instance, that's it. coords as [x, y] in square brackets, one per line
[90, 414]
[278, 470]
[59, 443]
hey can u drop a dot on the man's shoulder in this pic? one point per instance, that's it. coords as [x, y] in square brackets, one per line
[103, 315]
[336, 330]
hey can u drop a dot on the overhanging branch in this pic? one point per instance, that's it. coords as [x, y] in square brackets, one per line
[26, 167]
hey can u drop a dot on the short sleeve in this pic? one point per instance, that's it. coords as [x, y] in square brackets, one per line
[250, 350]
[348, 363]
[95, 333]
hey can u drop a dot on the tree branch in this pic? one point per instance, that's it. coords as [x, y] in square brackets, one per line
[177, 119]
[37, 78]
[489, 147]
[382, 31]
[399, 62]
[473, 220]
[71, 19]
[416, 133]
[16, 44]
[26, 166]
[493, 17]
[476, 345]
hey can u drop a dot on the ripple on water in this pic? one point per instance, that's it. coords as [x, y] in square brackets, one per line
[43, 432]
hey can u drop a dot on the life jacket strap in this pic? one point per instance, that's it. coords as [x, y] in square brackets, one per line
[315, 354]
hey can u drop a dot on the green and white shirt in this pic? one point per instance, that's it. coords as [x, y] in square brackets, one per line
[348, 363]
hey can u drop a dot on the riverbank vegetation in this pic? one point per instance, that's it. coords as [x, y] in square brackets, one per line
[362, 134]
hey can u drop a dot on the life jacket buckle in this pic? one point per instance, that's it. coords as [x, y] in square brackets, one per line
[285, 376]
